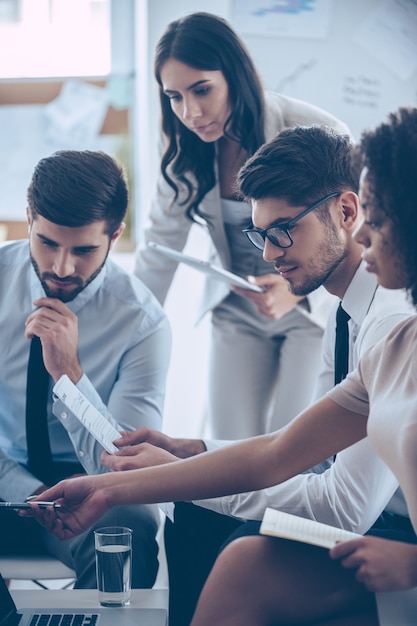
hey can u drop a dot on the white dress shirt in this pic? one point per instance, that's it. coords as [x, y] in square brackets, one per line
[384, 389]
[354, 491]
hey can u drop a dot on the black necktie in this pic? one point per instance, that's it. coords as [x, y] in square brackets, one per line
[37, 435]
[341, 348]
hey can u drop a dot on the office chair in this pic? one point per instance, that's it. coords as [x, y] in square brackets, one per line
[36, 569]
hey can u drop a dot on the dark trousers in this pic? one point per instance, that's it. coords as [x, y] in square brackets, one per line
[394, 527]
[192, 544]
[196, 537]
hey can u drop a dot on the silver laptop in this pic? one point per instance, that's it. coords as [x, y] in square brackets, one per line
[10, 615]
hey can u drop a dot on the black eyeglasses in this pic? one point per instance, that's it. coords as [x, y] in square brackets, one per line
[279, 235]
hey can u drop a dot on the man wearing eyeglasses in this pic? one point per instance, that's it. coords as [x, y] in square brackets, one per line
[303, 190]
[279, 233]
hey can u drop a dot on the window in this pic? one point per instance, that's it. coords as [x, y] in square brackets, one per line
[46, 38]
[66, 78]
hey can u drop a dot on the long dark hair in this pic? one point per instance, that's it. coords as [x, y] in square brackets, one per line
[206, 42]
[390, 155]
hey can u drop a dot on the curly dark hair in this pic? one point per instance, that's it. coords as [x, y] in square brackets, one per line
[77, 187]
[389, 153]
[206, 42]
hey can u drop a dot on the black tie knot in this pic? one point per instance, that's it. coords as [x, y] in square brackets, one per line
[341, 316]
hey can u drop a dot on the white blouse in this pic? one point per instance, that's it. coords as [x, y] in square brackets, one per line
[385, 386]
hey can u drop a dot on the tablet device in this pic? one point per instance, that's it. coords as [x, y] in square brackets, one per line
[206, 267]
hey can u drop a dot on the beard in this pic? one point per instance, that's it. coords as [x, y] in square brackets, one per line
[315, 281]
[330, 255]
[64, 294]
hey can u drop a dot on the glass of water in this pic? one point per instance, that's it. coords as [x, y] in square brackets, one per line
[113, 565]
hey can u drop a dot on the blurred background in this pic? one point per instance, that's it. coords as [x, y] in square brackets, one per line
[78, 74]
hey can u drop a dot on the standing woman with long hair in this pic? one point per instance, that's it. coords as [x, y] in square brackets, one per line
[215, 114]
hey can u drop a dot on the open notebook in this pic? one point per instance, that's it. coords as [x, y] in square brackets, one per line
[395, 608]
[287, 526]
[10, 615]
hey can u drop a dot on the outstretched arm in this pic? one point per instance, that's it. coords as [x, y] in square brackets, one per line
[319, 432]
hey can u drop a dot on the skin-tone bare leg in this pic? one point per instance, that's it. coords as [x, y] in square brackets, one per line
[263, 581]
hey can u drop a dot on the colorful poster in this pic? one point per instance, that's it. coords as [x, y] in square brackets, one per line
[284, 18]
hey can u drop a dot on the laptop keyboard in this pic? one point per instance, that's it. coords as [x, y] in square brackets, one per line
[64, 619]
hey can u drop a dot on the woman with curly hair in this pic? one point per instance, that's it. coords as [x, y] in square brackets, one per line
[215, 114]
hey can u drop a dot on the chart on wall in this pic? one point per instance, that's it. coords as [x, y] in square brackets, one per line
[356, 59]
[288, 18]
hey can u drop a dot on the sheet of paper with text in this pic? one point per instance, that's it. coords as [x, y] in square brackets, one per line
[76, 402]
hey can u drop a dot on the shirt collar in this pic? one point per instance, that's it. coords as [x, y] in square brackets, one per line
[360, 294]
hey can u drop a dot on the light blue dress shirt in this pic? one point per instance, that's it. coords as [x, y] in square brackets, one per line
[124, 348]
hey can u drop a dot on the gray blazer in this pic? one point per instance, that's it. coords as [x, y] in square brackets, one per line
[170, 227]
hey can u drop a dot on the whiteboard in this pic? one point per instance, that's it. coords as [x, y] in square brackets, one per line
[364, 66]
[357, 67]
[355, 70]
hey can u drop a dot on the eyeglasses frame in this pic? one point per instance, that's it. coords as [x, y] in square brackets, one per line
[285, 227]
